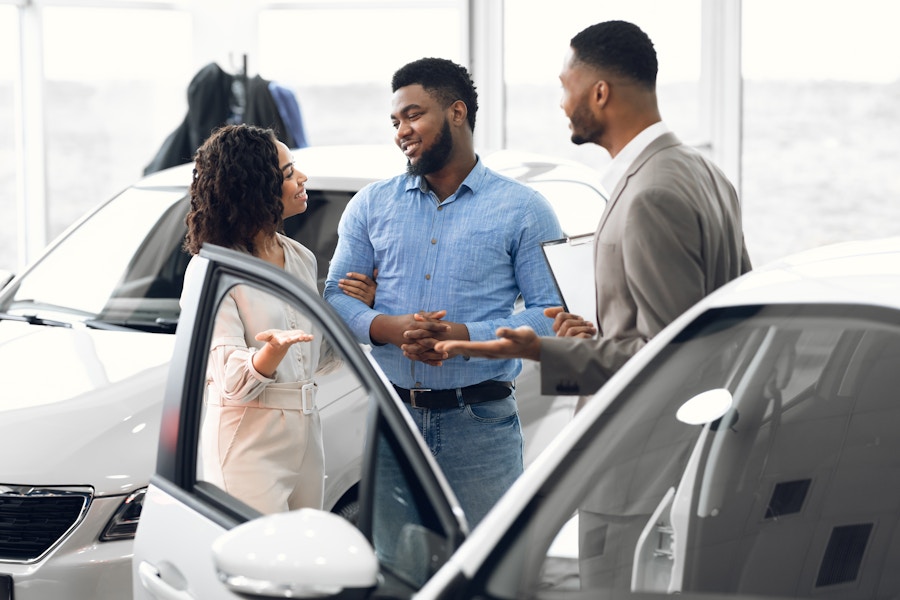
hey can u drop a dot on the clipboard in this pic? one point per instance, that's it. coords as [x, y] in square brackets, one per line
[571, 262]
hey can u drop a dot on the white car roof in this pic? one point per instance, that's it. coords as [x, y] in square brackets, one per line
[862, 272]
[350, 167]
[345, 168]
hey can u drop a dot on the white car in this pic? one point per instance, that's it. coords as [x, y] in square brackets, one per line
[750, 450]
[86, 337]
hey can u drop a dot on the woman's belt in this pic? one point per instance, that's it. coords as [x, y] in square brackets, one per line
[300, 395]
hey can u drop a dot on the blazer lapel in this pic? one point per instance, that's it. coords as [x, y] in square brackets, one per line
[666, 140]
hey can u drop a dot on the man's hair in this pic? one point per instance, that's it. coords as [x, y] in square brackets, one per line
[445, 80]
[619, 47]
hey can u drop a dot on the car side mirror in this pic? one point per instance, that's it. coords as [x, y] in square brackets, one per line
[305, 553]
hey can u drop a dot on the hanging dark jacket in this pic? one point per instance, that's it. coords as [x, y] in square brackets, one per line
[211, 104]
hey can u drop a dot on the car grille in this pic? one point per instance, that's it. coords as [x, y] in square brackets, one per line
[33, 520]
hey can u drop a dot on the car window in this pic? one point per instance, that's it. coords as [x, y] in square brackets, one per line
[122, 264]
[755, 456]
[316, 228]
[263, 436]
[407, 533]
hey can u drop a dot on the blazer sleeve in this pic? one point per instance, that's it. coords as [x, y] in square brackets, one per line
[577, 366]
[664, 276]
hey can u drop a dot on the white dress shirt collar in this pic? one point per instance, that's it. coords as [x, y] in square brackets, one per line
[619, 165]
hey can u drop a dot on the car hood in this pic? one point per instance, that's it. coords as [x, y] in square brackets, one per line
[80, 406]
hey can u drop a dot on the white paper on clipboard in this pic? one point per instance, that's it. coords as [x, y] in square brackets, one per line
[571, 261]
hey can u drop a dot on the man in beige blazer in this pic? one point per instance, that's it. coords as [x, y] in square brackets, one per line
[671, 232]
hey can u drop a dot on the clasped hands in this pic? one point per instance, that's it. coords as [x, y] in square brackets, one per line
[421, 332]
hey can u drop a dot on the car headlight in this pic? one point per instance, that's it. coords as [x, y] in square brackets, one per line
[123, 524]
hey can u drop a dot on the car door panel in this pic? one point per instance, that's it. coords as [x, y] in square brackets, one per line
[171, 567]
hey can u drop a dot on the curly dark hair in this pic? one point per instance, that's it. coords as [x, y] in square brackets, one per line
[236, 190]
[620, 47]
[443, 79]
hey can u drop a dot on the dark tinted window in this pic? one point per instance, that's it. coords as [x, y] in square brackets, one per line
[317, 227]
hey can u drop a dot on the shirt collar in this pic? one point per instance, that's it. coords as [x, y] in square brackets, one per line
[619, 165]
[472, 182]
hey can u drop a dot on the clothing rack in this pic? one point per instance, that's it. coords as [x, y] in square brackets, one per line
[239, 88]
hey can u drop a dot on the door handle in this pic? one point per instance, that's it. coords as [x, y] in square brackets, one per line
[158, 588]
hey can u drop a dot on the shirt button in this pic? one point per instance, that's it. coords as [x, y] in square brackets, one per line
[440, 208]
[427, 276]
[433, 241]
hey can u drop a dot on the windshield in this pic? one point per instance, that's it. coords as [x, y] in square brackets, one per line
[756, 455]
[123, 265]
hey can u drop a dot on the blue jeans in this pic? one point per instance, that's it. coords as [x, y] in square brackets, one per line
[479, 447]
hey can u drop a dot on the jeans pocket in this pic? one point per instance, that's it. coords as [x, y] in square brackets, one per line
[494, 411]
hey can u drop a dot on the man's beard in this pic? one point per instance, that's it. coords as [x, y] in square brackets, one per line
[435, 158]
[578, 119]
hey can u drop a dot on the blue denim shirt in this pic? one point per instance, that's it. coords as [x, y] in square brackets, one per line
[471, 255]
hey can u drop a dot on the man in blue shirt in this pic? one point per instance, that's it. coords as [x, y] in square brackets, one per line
[455, 244]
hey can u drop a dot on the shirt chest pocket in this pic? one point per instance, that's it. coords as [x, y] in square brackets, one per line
[475, 257]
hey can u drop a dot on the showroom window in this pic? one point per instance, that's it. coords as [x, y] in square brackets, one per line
[8, 225]
[339, 58]
[535, 49]
[821, 114]
[113, 92]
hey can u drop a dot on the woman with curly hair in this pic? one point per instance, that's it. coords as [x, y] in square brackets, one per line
[261, 438]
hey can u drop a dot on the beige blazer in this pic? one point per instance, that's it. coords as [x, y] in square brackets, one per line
[671, 233]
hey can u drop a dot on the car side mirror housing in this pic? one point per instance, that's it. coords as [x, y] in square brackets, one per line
[305, 553]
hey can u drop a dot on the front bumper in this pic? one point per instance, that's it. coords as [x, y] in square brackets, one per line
[80, 567]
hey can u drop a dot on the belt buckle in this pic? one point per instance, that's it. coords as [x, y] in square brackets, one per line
[308, 398]
[413, 393]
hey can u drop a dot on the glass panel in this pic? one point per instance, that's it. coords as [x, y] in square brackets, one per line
[9, 224]
[115, 88]
[409, 540]
[820, 123]
[281, 428]
[346, 98]
[760, 441]
[535, 49]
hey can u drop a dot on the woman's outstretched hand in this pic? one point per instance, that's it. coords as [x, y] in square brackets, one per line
[277, 341]
[283, 338]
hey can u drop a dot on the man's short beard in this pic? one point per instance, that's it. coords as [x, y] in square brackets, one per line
[435, 158]
[579, 118]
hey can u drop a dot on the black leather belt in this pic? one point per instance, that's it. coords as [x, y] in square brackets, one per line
[471, 394]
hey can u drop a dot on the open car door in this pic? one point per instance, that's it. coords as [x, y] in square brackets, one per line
[198, 540]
